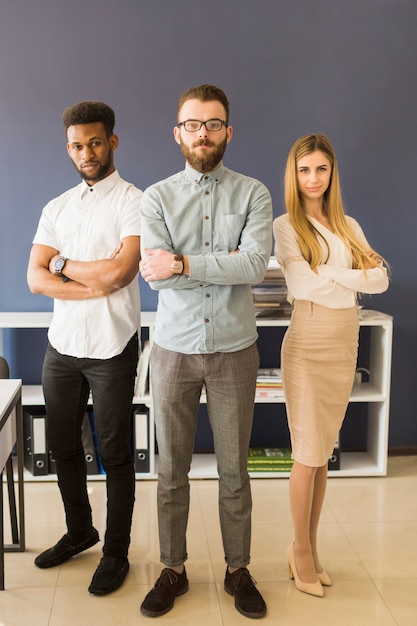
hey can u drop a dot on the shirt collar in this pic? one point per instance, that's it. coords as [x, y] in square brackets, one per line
[216, 175]
[103, 187]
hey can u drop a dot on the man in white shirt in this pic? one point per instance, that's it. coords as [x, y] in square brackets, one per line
[85, 256]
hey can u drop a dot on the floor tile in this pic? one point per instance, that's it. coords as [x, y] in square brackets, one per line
[367, 542]
[401, 598]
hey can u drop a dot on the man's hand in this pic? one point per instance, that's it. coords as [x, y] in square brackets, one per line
[157, 265]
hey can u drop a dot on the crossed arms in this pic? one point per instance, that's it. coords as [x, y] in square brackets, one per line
[87, 279]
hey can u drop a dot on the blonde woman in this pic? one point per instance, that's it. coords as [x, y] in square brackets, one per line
[326, 261]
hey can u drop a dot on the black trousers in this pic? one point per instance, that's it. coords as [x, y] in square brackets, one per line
[67, 382]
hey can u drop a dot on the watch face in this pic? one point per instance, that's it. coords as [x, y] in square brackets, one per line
[177, 267]
[59, 264]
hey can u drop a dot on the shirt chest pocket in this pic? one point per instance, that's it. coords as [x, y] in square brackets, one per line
[229, 231]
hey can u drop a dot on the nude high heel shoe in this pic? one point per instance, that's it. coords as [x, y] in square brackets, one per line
[314, 589]
[324, 578]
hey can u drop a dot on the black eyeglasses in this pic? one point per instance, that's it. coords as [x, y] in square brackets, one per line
[194, 125]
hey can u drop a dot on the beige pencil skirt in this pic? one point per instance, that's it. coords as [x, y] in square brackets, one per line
[318, 362]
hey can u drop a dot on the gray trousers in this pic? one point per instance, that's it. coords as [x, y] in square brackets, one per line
[230, 380]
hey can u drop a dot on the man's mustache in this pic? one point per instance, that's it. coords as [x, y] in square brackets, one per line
[203, 142]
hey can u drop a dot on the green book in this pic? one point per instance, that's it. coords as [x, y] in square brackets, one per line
[269, 460]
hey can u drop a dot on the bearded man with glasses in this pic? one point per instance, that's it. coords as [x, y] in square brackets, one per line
[206, 233]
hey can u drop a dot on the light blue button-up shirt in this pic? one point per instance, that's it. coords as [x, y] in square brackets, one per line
[206, 216]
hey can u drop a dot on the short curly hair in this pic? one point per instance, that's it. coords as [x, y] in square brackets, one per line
[89, 112]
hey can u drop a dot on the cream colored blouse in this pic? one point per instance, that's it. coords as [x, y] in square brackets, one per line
[336, 285]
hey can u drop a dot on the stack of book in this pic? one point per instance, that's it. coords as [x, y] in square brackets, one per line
[269, 460]
[269, 383]
[270, 296]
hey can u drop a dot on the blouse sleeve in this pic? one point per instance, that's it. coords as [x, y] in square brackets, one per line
[302, 282]
[374, 280]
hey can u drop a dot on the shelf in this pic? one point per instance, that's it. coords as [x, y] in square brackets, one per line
[363, 392]
[50, 478]
[351, 464]
[42, 319]
[375, 394]
[32, 395]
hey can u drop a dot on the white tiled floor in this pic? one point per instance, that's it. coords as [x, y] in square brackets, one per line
[368, 545]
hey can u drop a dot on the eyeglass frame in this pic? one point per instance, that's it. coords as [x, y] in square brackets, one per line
[217, 119]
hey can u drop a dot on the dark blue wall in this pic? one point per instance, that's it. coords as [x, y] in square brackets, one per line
[344, 68]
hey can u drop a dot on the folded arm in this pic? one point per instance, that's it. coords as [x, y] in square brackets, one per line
[244, 262]
[88, 279]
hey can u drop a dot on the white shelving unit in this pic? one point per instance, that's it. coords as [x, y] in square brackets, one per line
[32, 395]
[375, 393]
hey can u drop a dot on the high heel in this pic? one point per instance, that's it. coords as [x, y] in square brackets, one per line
[314, 589]
[324, 578]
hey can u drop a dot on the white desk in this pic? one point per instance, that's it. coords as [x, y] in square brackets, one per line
[11, 433]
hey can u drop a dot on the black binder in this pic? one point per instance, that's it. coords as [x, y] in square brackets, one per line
[334, 461]
[35, 446]
[141, 439]
[51, 463]
[90, 452]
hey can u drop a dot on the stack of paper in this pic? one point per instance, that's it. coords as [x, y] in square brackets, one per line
[270, 296]
[269, 382]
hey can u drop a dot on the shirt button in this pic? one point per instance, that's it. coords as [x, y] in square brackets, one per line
[206, 217]
[207, 193]
[207, 295]
[205, 177]
[207, 320]
[207, 243]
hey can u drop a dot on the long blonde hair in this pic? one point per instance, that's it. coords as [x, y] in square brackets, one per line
[332, 207]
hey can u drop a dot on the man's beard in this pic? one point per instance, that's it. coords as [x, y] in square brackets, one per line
[203, 162]
[101, 173]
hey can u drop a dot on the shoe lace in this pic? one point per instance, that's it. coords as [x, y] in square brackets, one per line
[169, 574]
[243, 576]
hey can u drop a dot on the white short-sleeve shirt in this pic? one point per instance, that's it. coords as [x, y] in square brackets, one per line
[86, 224]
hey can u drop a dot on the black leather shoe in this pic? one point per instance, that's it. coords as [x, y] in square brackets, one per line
[109, 575]
[161, 597]
[65, 549]
[248, 600]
